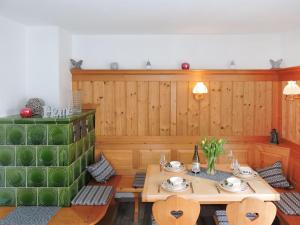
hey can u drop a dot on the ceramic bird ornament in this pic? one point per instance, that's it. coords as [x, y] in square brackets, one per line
[76, 64]
[275, 64]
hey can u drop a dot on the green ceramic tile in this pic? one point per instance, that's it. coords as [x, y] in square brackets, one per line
[57, 177]
[15, 135]
[7, 156]
[15, 177]
[2, 177]
[92, 138]
[7, 196]
[63, 155]
[83, 163]
[85, 144]
[58, 134]
[47, 155]
[71, 173]
[26, 197]
[74, 189]
[72, 152]
[37, 177]
[2, 134]
[71, 137]
[79, 148]
[77, 168]
[36, 134]
[64, 197]
[24, 121]
[81, 180]
[90, 156]
[48, 196]
[26, 156]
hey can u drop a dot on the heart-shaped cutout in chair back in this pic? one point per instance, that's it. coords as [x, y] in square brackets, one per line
[176, 213]
[252, 216]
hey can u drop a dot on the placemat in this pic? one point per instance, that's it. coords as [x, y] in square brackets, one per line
[218, 176]
[30, 215]
[289, 203]
[93, 195]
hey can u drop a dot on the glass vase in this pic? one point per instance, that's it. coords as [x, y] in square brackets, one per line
[211, 162]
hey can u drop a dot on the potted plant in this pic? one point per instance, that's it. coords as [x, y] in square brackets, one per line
[212, 148]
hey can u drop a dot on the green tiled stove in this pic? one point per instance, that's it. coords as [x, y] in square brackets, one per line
[43, 161]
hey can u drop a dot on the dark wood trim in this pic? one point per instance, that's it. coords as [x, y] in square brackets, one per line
[290, 73]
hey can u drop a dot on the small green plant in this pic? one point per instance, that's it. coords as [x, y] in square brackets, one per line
[212, 148]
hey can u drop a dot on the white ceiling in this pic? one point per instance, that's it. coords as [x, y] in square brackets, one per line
[157, 16]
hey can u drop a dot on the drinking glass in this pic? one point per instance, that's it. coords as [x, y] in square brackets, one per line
[162, 161]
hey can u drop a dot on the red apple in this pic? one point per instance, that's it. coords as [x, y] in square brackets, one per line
[26, 112]
[185, 66]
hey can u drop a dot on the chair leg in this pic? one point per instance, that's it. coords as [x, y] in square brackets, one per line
[136, 208]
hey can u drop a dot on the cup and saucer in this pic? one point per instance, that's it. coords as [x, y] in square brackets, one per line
[175, 184]
[174, 166]
[233, 184]
[244, 172]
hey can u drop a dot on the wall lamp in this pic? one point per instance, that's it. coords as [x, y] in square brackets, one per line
[291, 90]
[199, 90]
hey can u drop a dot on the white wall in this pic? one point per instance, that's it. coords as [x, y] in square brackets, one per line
[48, 54]
[291, 48]
[168, 51]
[12, 61]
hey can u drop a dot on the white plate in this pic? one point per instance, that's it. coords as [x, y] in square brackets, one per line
[243, 187]
[244, 176]
[169, 168]
[167, 187]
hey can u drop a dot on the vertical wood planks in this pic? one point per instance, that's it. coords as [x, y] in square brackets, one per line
[193, 112]
[182, 104]
[269, 105]
[173, 108]
[120, 107]
[143, 92]
[98, 99]
[248, 109]
[154, 108]
[87, 91]
[237, 115]
[164, 108]
[215, 107]
[131, 108]
[260, 116]
[205, 113]
[109, 108]
[226, 108]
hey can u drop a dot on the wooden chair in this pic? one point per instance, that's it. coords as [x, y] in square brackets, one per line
[176, 211]
[237, 212]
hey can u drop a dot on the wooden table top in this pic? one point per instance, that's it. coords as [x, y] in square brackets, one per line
[204, 190]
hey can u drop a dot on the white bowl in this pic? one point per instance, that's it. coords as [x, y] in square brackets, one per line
[245, 170]
[175, 164]
[176, 181]
[233, 182]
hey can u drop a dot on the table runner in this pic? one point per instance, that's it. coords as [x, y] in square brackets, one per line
[218, 176]
[29, 215]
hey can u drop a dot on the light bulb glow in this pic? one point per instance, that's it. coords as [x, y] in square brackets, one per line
[200, 88]
[292, 88]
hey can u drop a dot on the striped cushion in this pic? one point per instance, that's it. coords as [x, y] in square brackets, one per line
[274, 175]
[139, 180]
[221, 218]
[102, 170]
[93, 195]
[289, 203]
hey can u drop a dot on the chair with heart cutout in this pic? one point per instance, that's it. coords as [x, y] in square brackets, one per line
[251, 212]
[176, 211]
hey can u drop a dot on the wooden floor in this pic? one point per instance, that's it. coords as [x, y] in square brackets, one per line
[123, 214]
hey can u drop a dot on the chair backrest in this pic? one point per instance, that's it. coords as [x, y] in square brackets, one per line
[251, 212]
[176, 211]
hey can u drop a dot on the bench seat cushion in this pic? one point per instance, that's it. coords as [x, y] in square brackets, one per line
[139, 180]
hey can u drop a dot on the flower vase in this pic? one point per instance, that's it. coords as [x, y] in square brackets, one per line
[211, 162]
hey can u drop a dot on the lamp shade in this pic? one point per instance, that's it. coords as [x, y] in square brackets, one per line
[200, 88]
[291, 88]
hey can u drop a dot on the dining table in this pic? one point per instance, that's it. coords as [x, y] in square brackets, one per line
[203, 190]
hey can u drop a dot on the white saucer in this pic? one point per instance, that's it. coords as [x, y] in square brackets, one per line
[244, 176]
[241, 188]
[167, 187]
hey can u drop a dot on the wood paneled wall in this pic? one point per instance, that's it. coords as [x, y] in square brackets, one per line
[154, 105]
[290, 108]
